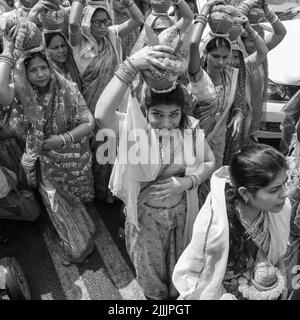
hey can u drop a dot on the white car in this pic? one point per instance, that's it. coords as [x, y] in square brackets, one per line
[284, 69]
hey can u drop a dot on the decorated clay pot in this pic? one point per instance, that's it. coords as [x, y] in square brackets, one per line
[265, 276]
[171, 37]
[256, 15]
[221, 18]
[52, 20]
[160, 6]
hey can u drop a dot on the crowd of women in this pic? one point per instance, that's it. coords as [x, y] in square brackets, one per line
[223, 226]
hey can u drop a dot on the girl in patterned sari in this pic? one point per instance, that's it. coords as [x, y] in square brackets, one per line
[160, 191]
[225, 109]
[244, 222]
[56, 144]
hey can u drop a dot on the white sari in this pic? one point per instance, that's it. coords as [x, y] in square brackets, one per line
[199, 272]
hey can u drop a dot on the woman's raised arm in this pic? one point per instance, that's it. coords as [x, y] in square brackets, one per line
[186, 13]
[144, 59]
[74, 22]
[261, 52]
[7, 92]
[137, 18]
[272, 40]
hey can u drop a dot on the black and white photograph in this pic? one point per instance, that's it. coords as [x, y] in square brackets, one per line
[149, 153]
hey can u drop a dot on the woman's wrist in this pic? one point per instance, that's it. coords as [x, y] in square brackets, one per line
[194, 182]
[67, 139]
[252, 34]
[127, 71]
[202, 18]
[271, 16]
[7, 58]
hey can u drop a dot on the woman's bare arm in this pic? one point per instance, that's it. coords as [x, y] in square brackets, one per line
[74, 22]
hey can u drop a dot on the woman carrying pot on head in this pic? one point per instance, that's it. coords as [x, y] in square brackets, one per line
[57, 158]
[160, 191]
[258, 79]
[241, 233]
[97, 44]
[97, 50]
[246, 64]
[159, 20]
[224, 109]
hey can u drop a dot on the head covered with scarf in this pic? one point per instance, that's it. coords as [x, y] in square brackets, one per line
[101, 65]
[70, 64]
[58, 112]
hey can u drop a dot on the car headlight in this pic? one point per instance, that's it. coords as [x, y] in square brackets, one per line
[279, 92]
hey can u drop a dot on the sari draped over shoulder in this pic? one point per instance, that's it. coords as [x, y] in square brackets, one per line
[214, 112]
[156, 230]
[199, 272]
[127, 178]
[100, 66]
[70, 65]
[65, 178]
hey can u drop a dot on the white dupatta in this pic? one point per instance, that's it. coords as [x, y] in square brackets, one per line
[126, 178]
[200, 270]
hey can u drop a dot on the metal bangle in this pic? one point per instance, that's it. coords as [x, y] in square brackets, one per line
[63, 139]
[71, 136]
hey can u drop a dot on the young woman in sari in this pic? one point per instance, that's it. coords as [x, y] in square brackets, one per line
[220, 99]
[246, 64]
[159, 192]
[61, 55]
[97, 45]
[17, 200]
[161, 21]
[56, 144]
[121, 15]
[97, 50]
[245, 221]
[258, 78]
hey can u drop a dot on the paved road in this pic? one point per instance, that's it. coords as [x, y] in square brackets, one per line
[108, 273]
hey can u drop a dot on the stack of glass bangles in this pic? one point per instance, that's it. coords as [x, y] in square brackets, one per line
[67, 138]
[127, 71]
[7, 58]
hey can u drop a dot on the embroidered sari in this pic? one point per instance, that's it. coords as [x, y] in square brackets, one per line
[204, 265]
[214, 113]
[96, 68]
[156, 231]
[65, 178]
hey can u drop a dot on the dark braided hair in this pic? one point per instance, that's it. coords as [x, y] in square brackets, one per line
[254, 167]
